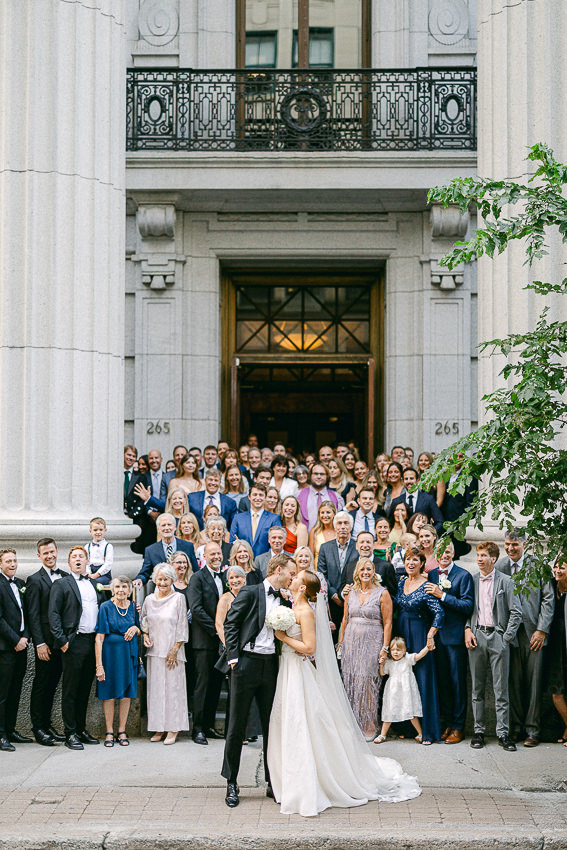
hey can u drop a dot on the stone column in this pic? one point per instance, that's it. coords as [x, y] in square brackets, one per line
[522, 76]
[62, 214]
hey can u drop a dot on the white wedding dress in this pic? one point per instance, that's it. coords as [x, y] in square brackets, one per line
[317, 755]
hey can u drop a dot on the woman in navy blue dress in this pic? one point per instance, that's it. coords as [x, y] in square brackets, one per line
[420, 616]
[117, 654]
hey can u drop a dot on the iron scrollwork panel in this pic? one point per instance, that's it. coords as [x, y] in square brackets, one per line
[310, 110]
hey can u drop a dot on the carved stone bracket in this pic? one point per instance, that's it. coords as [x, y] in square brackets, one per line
[444, 278]
[447, 222]
[158, 258]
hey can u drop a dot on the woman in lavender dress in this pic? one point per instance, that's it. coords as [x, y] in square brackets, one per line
[366, 626]
[420, 617]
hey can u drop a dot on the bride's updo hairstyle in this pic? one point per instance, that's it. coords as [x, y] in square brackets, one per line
[312, 584]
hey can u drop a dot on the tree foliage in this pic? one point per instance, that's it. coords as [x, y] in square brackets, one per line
[517, 453]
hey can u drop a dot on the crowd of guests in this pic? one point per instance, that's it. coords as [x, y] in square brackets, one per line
[407, 620]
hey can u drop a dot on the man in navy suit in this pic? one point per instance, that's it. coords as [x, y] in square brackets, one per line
[253, 525]
[159, 552]
[419, 502]
[365, 517]
[454, 588]
[211, 496]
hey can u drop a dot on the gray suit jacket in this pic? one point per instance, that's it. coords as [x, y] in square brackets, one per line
[261, 562]
[328, 564]
[506, 607]
[538, 606]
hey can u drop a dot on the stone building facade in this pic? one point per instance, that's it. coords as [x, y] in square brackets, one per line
[194, 192]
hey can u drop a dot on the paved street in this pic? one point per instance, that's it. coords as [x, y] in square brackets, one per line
[149, 796]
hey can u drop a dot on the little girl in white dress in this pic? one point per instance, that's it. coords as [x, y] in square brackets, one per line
[401, 699]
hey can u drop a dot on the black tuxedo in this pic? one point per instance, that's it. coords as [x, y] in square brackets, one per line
[78, 662]
[384, 569]
[12, 663]
[205, 645]
[47, 673]
[254, 675]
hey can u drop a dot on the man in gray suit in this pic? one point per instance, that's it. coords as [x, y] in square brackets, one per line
[334, 555]
[489, 631]
[526, 659]
[276, 539]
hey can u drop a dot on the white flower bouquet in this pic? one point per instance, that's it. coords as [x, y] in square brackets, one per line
[280, 618]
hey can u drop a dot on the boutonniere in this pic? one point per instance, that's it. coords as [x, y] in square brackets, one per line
[444, 583]
[22, 590]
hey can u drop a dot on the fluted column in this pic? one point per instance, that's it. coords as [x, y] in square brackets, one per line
[62, 175]
[522, 77]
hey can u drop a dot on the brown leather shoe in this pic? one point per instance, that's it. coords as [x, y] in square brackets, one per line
[455, 737]
[531, 741]
[448, 731]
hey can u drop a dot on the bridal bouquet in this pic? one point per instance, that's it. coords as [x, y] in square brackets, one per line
[280, 618]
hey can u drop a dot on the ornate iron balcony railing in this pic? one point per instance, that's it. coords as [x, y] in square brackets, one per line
[304, 110]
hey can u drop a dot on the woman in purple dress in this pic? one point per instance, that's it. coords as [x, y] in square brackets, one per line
[420, 617]
[366, 627]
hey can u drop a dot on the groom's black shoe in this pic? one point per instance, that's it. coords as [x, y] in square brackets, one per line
[231, 798]
[270, 791]
[199, 737]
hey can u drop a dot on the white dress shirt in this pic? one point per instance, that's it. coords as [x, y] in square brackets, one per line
[264, 643]
[359, 522]
[216, 500]
[89, 605]
[217, 579]
[101, 556]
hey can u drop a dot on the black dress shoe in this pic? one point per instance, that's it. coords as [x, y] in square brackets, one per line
[44, 738]
[212, 733]
[199, 738]
[231, 798]
[270, 791]
[55, 735]
[73, 742]
[507, 744]
[87, 738]
[6, 745]
[16, 738]
[477, 741]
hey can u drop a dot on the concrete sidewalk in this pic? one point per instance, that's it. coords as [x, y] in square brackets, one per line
[151, 796]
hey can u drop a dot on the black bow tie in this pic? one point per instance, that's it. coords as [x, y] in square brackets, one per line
[83, 578]
[273, 592]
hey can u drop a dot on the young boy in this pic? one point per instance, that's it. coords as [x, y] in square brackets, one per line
[100, 552]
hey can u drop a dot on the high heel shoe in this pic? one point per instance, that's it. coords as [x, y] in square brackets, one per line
[171, 738]
[157, 737]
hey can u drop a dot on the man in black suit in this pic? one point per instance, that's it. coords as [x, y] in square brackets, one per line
[14, 638]
[158, 553]
[73, 612]
[251, 654]
[417, 501]
[205, 590]
[47, 655]
[334, 555]
[365, 548]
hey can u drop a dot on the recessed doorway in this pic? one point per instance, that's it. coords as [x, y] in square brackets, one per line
[302, 357]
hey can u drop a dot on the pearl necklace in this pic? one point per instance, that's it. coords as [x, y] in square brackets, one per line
[120, 610]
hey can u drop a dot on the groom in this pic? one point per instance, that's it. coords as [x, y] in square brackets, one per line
[251, 654]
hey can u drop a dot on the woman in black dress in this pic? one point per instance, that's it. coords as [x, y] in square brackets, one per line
[557, 647]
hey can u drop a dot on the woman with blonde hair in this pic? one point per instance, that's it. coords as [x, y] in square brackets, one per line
[241, 555]
[323, 530]
[296, 531]
[188, 529]
[339, 480]
[176, 503]
[365, 630]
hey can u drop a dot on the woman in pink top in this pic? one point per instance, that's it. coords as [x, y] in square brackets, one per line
[428, 538]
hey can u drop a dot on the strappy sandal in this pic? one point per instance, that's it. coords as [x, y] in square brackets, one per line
[419, 740]
[379, 739]
[109, 739]
[123, 742]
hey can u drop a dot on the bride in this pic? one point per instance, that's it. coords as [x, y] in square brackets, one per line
[317, 756]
